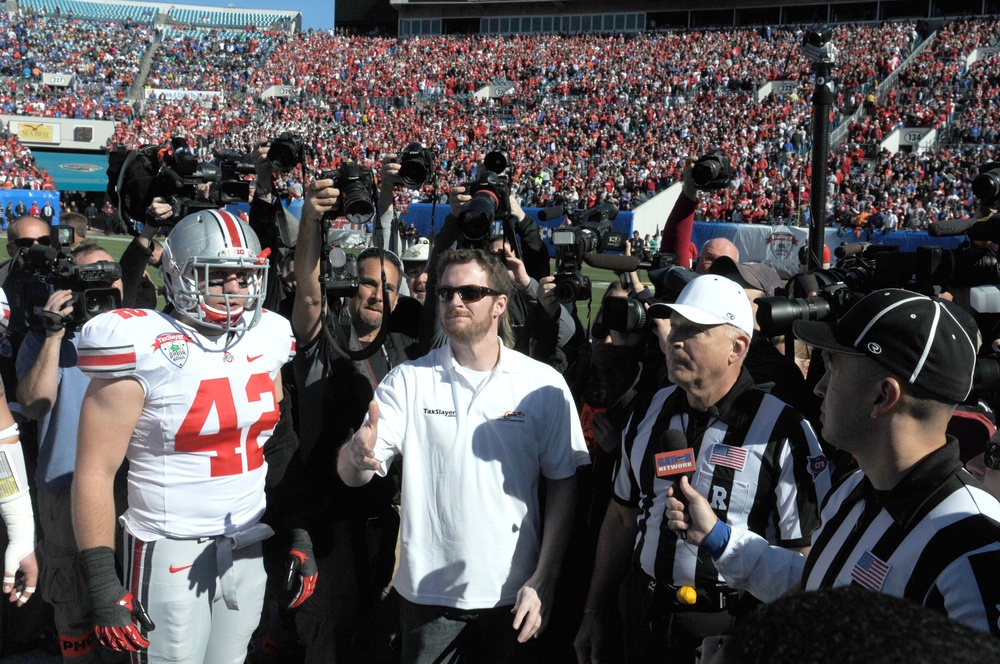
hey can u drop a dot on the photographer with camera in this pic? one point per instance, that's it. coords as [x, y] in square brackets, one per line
[706, 173]
[50, 390]
[22, 234]
[270, 221]
[475, 208]
[345, 349]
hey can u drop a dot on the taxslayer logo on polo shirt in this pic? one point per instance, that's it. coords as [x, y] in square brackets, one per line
[438, 411]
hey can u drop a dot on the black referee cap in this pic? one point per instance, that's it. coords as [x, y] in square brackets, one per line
[921, 340]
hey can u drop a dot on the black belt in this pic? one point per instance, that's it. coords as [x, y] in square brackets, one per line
[711, 598]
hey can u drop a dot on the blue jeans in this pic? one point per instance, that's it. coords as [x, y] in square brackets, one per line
[441, 634]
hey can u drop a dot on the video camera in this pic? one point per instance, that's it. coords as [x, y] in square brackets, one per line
[591, 234]
[624, 314]
[358, 192]
[51, 268]
[490, 199]
[174, 173]
[181, 173]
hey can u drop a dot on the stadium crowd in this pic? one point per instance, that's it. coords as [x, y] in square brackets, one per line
[263, 414]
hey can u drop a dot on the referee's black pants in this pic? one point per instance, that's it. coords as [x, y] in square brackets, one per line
[653, 633]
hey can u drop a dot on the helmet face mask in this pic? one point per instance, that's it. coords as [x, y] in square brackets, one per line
[201, 246]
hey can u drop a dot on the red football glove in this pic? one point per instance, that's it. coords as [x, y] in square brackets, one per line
[301, 566]
[115, 609]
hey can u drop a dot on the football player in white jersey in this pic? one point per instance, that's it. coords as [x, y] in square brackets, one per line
[189, 399]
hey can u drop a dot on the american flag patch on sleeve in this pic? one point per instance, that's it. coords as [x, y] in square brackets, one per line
[870, 571]
[726, 455]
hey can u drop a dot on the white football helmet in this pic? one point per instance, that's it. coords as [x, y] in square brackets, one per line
[4, 312]
[211, 240]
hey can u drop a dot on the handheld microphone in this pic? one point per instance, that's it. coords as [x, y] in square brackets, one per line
[675, 459]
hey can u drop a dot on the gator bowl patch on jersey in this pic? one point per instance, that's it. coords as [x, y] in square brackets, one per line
[174, 346]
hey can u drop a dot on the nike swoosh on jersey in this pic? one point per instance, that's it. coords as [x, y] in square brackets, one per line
[174, 570]
[254, 357]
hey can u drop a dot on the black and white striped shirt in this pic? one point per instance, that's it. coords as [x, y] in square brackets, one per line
[934, 538]
[758, 463]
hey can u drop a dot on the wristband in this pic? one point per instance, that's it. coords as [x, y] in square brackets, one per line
[10, 431]
[715, 542]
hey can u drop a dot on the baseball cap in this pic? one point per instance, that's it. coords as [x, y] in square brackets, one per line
[418, 252]
[711, 300]
[758, 276]
[919, 339]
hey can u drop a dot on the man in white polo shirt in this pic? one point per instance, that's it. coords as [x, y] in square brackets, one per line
[477, 425]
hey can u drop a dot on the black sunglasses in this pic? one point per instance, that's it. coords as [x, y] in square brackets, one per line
[465, 293]
[26, 242]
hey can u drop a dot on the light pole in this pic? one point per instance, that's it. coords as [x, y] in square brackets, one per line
[818, 47]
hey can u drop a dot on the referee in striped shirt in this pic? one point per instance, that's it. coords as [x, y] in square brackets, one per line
[911, 522]
[756, 460]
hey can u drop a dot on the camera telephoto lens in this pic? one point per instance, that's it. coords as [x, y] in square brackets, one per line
[415, 168]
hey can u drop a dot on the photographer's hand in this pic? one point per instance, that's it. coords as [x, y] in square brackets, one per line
[515, 268]
[688, 187]
[389, 180]
[547, 295]
[54, 311]
[265, 173]
[390, 172]
[321, 197]
[457, 199]
[159, 212]
[515, 209]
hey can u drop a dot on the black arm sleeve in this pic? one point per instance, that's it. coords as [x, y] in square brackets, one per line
[535, 252]
[133, 263]
[263, 220]
[281, 446]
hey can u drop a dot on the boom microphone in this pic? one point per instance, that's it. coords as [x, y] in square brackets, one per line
[550, 213]
[985, 229]
[675, 459]
[615, 262]
[950, 227]
[845, 250]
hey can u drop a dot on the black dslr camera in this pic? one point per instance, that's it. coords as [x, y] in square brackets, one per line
[712, 171]
[490, 198]
[416, 166]
[986, 185]
[590, 234]
[286, 151]
[52, 268]
[357, 192]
